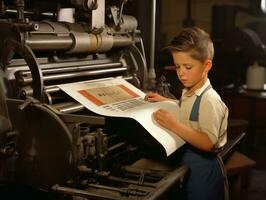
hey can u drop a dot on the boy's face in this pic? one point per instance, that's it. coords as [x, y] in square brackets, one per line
[189, 70]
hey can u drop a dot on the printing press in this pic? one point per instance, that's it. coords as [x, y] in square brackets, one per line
[52, 143]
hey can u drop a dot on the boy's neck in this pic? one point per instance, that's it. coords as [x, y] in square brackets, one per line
[191, 90]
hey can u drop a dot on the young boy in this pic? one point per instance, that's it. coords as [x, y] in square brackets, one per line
[203, 115]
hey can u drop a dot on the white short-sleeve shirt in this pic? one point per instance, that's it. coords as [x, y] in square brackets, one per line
[213, 114]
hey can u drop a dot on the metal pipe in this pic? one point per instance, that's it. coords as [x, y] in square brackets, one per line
[123, 180]
[66, 107]
[122, 191]
[54, 88]
[26, 12]
[55, 98]
[28, 80]
[27, 91]
[121, 41]
[152, 74]
[59, 106]
[116, 146]
[148, 173]
[52, 70]
[49, 42]
[58, 63]
[71, 109]
[188, 21]
[166, 183]
[51, 89]
[82, 193]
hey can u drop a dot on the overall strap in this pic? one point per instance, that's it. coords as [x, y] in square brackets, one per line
[194, 115]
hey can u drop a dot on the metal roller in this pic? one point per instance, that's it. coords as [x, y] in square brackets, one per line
[76, 38]
[54, 77]
[53, 70]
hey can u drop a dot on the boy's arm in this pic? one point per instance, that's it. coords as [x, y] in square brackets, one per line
[197, 139]
[200, 140]
[154, 97]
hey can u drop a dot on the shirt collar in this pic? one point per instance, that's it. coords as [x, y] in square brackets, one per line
[198, 91]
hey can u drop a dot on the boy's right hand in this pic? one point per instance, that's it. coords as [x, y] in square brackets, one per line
[154, 97]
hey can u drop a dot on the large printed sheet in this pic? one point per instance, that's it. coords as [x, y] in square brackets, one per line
[117, 98]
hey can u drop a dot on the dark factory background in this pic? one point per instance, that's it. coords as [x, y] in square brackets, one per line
[238, 30]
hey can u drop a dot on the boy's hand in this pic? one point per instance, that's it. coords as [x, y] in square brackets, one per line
[165, 119]
[154, 97]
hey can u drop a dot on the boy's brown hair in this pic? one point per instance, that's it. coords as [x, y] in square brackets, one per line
[195, 41]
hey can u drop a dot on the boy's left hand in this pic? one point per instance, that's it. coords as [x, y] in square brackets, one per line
[165, 118]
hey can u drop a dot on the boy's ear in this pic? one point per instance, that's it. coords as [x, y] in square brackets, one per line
[208, 64]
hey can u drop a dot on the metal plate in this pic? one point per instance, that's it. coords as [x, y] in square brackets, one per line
[44, 145]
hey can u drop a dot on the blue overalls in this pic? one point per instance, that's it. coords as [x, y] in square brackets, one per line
[205, 179]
